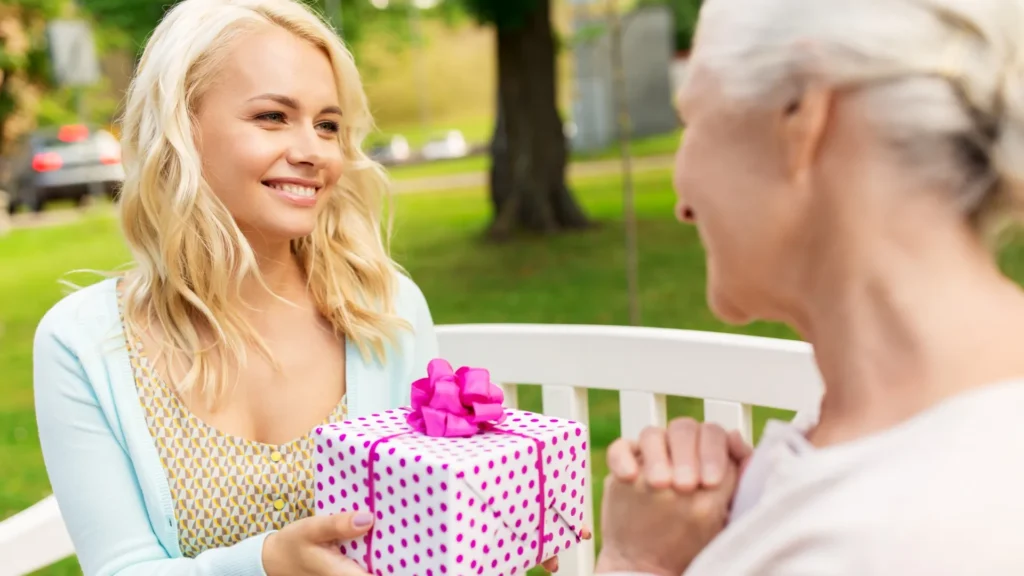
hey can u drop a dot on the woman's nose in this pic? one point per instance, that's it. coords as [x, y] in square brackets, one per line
[306, 148]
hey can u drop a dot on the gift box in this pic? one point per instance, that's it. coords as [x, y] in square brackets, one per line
[458, 484]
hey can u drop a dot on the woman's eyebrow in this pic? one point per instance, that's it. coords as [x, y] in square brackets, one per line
[292, 103]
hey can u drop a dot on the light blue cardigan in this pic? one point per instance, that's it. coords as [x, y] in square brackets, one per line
[102, 462]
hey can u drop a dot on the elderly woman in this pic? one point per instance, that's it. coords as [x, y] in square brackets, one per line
[847, 165]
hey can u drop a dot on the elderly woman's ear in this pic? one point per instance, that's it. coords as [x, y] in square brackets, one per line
[803, 122]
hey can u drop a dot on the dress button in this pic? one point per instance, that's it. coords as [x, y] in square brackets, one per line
[275, 456]
[278, 504]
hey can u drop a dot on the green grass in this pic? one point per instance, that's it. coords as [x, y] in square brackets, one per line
[655, 145]
[469, 164]
[648, 146]
[575, 278]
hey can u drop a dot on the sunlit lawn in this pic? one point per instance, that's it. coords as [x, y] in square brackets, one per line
[576, 278]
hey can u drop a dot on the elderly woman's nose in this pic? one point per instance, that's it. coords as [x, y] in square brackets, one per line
[683, 212]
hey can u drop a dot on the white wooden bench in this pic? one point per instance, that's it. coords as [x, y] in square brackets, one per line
[731, 373]
[33, 539]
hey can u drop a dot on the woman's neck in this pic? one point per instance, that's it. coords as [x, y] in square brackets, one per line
[904, 319]
[282, 277]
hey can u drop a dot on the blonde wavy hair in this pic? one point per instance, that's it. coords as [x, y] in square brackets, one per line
[191, 258]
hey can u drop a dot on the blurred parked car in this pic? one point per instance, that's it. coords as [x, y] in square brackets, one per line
[394, 151]
[70, 162]
[451, 145]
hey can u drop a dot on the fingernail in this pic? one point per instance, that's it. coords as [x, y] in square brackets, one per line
[712, 475]
[686, 477]
[623, 468]
[362, 519]
[659, 477]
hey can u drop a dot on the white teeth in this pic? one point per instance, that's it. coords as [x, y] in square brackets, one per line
[294, 190]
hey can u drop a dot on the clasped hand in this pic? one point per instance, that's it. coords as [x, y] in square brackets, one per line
[667, 496]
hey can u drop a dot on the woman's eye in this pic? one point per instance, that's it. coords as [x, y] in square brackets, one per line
[271, 117]
[330, 127]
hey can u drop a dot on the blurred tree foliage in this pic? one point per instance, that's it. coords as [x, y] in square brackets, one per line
[138, 18]
[685, 12]
[27, 94]
[23, 63]
[135, 19]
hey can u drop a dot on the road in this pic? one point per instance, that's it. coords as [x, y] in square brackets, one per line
[592, 168]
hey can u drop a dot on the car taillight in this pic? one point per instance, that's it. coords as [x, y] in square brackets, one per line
[110, 159]
[47, 162]
[73, 133]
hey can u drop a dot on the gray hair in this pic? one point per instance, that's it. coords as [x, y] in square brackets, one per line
[943, 79]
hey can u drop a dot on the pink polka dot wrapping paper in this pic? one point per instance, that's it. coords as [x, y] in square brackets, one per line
[495, 503]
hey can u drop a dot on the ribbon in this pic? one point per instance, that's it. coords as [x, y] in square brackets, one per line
[455, 404]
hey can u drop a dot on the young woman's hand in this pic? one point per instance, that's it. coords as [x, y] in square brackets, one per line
[309, 547]
[551, 564]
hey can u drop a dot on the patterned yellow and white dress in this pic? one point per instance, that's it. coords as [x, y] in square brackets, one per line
[225, 488]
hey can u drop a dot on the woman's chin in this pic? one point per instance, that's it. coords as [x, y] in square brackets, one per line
[724, 309]
[289, 228]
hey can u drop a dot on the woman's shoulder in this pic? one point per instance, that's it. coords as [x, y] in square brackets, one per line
[410, 303]
[84, 315]
[73, 345]
[420, 344]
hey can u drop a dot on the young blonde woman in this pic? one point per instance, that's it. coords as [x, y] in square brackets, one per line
[174, 402]
[881, 147]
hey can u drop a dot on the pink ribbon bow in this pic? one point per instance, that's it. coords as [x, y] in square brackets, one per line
[455, 404]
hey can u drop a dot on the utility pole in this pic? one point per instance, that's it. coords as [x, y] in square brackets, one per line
[624, 129]
[419, 47]
[80, 48]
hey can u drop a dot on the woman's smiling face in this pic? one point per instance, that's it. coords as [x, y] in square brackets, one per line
[268, 134]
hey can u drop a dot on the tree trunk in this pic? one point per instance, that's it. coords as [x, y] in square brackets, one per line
[528, 151]
[7, 106]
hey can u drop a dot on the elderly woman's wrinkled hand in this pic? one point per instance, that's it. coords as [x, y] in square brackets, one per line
[668, 496]
[687, 455]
